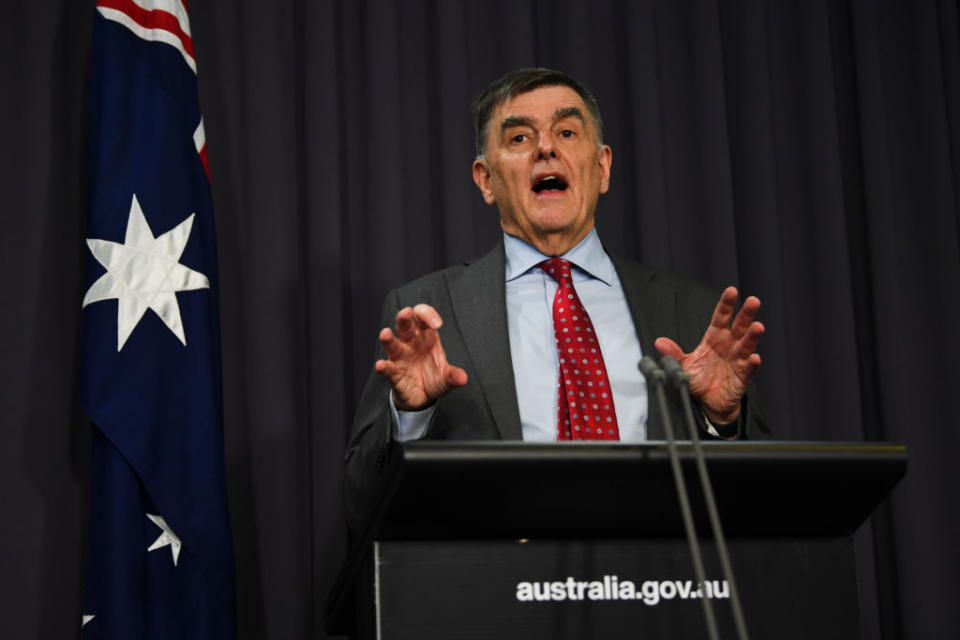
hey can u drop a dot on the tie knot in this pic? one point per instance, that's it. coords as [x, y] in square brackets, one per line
[556, 268]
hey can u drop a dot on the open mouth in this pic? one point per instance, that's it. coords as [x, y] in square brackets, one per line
[550, 183]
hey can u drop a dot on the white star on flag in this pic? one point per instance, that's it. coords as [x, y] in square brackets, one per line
[168, 537]
[86, 619]
[144, 272]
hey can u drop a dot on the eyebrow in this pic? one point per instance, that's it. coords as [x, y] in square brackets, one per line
[569, 112]
[515, 121]
[560, 114]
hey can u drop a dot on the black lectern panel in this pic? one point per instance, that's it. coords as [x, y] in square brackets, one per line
[597, 590]
[498, 489]
[606, 515]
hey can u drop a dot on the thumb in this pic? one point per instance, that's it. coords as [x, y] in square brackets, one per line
[456, 376]
[668, 347]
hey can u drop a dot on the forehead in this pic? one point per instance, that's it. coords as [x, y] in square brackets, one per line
[540, 104]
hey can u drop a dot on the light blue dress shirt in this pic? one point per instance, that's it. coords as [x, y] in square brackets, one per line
[533, 349]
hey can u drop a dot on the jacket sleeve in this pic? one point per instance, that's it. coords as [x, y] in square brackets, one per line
[370, 438]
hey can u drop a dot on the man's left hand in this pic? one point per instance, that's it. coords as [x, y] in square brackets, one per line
[725, 361]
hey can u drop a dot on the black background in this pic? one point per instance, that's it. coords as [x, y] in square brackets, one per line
[806, 151]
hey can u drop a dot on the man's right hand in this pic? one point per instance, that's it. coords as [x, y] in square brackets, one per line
[416, 365]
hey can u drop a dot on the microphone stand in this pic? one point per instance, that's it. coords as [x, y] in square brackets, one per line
[681, 380]
[656, 377]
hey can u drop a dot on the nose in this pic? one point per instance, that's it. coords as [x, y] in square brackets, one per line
[546, 149]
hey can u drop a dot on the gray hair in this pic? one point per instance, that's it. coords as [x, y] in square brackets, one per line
[522, 81]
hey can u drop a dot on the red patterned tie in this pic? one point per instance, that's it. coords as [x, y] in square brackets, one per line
[585, 402]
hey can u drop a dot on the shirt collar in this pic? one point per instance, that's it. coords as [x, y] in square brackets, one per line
[588, 256]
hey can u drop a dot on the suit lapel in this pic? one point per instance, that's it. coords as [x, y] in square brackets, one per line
[653, 308]
[478, 295]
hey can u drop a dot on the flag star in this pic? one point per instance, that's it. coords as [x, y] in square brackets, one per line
[86, 619]
[168, 537]
[144, 272]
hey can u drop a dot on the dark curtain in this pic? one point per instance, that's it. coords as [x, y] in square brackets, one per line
[806, 151]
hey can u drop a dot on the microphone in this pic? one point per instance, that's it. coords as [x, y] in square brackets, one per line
[656, 377]
[681, 380]
[674, 371]
[652, 371]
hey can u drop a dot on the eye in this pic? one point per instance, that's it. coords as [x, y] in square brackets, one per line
[520, 137]
[567, 133]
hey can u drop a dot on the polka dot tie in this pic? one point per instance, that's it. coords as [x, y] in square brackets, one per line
[585, 403]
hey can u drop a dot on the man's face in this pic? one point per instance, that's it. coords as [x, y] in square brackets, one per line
[544, 168]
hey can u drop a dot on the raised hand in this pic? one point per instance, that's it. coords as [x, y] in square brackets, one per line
[725, 361]
[416, 365]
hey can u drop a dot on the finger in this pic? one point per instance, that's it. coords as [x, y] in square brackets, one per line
[456, 376]
[668, 347]
[390, 343]
[405, 325]
[387, 369]
[748, 313]
[427, 317]
[724, 309]
[386, 337]
[753, 365]
[749, 342]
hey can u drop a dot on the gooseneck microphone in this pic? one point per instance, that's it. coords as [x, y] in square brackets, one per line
[681, 380]
[656, 377]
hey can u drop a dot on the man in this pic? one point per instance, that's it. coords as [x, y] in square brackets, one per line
[484, 350]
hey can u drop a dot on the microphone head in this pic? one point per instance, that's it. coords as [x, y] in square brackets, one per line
[674, 371]
[651, 370]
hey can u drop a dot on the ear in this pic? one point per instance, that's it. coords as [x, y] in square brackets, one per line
[606, 160]
[482, 178]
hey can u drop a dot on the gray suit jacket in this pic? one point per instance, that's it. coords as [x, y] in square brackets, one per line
[471, 299]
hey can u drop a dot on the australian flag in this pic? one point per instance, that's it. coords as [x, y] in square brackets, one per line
[160, 556]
